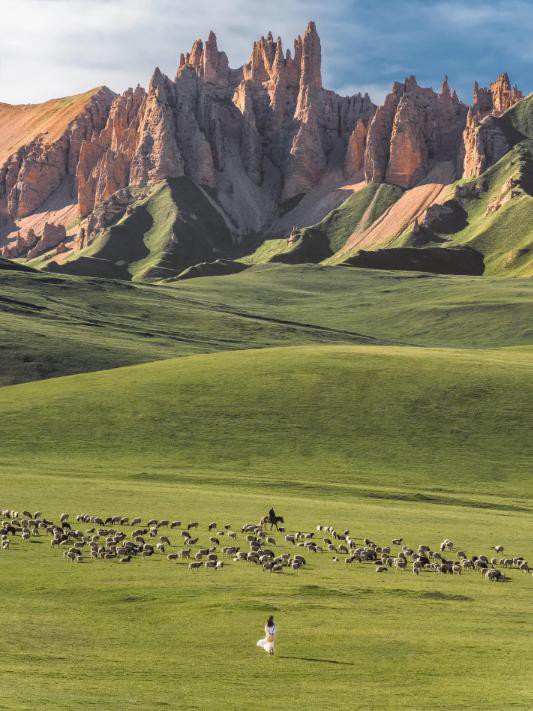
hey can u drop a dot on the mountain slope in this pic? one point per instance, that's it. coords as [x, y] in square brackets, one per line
[318, 242]
[176, 226]
[493, 213]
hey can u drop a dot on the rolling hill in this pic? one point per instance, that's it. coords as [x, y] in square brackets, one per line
[54, 325]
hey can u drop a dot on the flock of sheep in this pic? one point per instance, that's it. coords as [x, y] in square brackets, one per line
[106, 539]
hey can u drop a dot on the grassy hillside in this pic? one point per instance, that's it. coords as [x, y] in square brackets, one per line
[383, 441]
[493, 214]
[253, 414]
[55, 325]
[175, 227]
[412, 308]
[320, 241]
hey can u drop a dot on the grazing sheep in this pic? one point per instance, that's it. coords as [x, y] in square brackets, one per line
[194, 524]
[195, 565]
[498, 549]
[381, 569]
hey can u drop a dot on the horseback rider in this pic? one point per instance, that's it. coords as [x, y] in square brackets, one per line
[272, 518]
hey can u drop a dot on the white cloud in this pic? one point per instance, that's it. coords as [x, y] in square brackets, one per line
[60, 47]
[51, 47]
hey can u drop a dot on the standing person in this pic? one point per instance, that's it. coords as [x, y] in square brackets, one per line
[270, 636]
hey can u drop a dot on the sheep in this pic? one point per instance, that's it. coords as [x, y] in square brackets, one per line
[135, 521]
[498, 549]
[125, 559]
[185, 553]
[194, 524]
[64, 517]
[175, 524]
[195, 565]
[212, 526]
[219, 565]
[381, 569]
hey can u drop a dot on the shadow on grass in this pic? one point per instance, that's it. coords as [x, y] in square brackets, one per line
[322, 661]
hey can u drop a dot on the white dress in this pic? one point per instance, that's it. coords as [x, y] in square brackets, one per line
[268, 642]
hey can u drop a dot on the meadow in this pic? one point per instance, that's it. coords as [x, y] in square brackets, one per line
[386, 404]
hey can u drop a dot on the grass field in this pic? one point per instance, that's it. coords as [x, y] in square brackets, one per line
[57, 324]
[392, 405]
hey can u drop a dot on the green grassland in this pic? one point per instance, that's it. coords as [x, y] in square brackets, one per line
[385, 441]
[390, 404]
[59, 324]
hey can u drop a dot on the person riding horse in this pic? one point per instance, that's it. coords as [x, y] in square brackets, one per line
[272, 519]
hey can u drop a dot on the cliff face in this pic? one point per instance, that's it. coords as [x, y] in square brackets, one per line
[258, 138]
[484, 141]
[35, 170]
[415, 128]
[217, 125]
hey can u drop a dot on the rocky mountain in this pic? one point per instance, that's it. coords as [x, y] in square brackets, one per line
[208, 164]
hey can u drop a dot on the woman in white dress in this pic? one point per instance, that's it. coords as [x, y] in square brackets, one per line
[270, 636]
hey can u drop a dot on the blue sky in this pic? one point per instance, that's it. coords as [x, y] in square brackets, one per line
[52, 48]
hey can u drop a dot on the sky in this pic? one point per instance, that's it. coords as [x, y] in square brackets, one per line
[52, 48]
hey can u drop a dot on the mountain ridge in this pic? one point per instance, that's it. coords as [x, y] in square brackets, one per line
[270, 147]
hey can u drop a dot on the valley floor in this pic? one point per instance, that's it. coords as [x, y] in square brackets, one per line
[335, 396]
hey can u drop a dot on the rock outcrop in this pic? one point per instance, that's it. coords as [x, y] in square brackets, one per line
[355, 154]
[225, 128]
[256, 139]
[414, 129]
[484, 140]
[30, 245]
[37, 169]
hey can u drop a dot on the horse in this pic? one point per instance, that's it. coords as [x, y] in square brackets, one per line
[266, 519]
